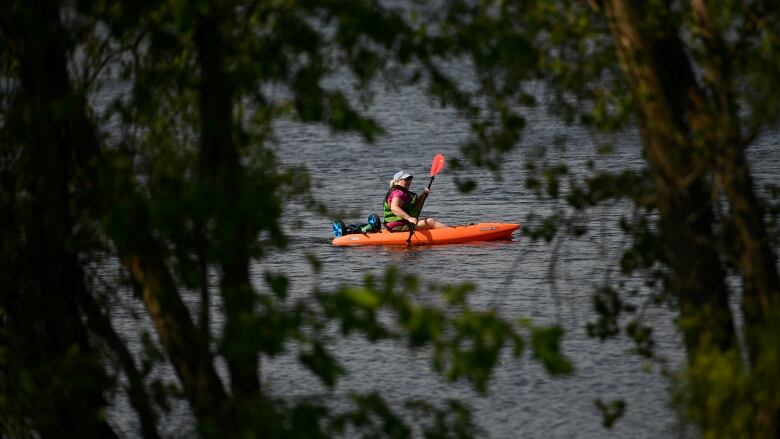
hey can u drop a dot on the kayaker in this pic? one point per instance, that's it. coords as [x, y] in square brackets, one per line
[401, 205]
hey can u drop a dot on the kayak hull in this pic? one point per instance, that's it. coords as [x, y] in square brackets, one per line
[449, 235]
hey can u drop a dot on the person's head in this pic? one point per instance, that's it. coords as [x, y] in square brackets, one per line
[402, 178]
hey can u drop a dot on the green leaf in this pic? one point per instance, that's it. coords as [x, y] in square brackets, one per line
[322, 363]
[611, 412]
[545, 343]
[363, 297]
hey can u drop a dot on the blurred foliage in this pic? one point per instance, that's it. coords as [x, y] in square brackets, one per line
[140, 135]
[138, 140]
[466, 344]
[611, 411]
[593, 64]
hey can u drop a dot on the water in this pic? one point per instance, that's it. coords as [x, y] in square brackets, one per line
[514, 276]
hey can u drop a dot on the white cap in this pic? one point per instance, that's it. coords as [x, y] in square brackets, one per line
[400, 175]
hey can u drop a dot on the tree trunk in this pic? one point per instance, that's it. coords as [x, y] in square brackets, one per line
[52, 280]
[221, 170]
[64, 151]
[180, 338]
[717, 120]
[101, 325]
[661, 80]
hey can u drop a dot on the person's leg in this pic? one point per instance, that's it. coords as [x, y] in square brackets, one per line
[430, 223]
[397, 226]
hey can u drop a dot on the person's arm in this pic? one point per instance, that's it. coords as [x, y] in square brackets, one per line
[421, 198]
[395, 206]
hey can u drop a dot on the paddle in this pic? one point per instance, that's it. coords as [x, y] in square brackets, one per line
[436, 166]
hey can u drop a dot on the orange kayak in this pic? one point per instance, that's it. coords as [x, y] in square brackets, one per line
[449, 235]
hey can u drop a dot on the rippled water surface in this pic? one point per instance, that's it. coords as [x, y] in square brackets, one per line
[514, 276]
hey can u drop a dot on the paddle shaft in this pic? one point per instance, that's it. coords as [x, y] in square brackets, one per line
[419, 211]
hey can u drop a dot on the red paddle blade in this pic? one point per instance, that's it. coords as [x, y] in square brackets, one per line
[437, 165]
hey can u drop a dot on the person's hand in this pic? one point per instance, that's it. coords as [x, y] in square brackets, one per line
[426, 191]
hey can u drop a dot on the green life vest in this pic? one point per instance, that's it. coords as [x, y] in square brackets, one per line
[411, 208]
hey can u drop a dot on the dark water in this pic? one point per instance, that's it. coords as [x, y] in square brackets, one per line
[514, 276]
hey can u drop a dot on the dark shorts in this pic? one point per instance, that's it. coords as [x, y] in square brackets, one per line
[398, 226]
